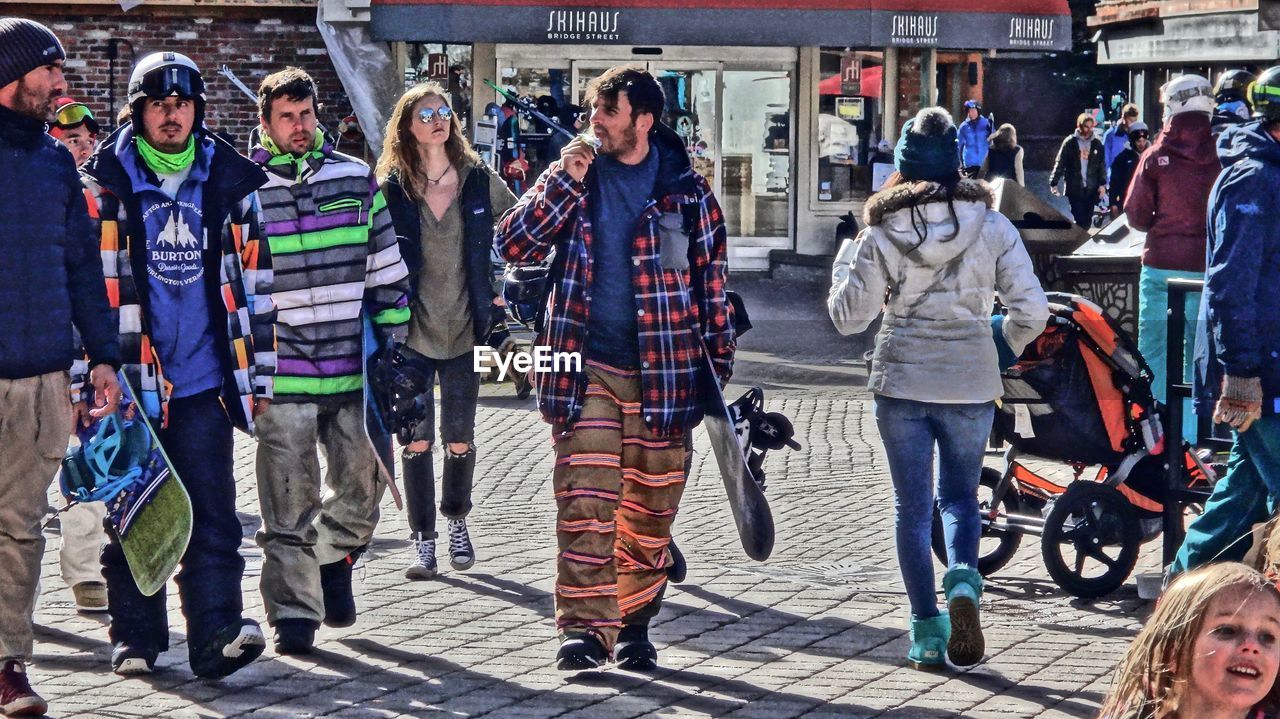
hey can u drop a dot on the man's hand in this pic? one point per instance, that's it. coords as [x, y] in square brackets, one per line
[106, 392]
[1241, 402]
[576, 157]
[1053, 190]
[260, 405]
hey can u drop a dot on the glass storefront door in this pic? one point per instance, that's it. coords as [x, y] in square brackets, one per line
[736, 116]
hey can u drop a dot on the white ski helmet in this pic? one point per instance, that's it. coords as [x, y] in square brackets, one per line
[1187, 93]
[166, 74]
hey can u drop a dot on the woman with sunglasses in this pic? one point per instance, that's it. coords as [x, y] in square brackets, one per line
[443, 201]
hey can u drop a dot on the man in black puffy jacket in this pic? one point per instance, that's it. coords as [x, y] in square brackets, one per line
[50, 279]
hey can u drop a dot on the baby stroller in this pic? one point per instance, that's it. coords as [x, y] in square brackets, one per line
[1080, 394]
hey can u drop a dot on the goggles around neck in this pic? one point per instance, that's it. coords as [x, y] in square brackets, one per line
[73, 114]
[427, 115]
[172, 80]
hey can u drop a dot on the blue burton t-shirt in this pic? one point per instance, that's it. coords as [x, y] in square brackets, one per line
[618, 199]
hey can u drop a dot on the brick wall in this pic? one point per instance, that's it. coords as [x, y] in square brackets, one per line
[909, 79]
[253, 43]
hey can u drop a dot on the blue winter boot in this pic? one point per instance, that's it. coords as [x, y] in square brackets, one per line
[929, 642]
[962, 586]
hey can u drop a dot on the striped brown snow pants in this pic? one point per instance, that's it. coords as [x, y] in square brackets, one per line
[617, 488]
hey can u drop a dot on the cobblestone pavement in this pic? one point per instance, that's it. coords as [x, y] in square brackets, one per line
[817, 631]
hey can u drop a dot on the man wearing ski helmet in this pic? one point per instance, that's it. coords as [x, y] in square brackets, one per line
[641, 299]
[336, 267]
[179, 231]
[50, 284]
[1233, 106]
[1137, 140]
[1167, 199]
[1237, 378]
[975, 138]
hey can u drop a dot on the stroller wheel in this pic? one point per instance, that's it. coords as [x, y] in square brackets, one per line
[999, 541]
[1091, 540]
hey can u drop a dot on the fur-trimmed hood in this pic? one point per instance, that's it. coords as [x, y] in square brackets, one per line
[905, 195]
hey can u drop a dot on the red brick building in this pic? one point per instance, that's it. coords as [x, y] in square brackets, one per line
[251, 37]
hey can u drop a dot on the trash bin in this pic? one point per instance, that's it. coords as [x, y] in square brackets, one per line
[1105, 269]
[1045, 231]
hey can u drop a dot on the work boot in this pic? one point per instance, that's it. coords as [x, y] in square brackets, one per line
[461, 554]
[295, 636]
[581, 652]
[335, 584]
[230, 650]
[91, 597]
[634, 651]
[130, 660]
[929, 642]
[17, 698]
[424, 559]
[962, 586]
[677, 570]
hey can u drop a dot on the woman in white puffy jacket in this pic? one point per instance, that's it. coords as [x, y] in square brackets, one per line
[934, 257]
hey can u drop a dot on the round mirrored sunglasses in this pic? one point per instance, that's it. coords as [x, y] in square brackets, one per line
[429, 115]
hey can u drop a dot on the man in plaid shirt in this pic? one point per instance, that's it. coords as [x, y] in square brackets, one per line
[640, 299]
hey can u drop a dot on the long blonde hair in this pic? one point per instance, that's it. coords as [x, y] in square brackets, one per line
[1152, 678]
[400, 148]
[1005, 137]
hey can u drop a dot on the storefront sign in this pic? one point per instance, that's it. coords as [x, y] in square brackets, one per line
[583, 25]
[850, 74]
[913, 29]
[952, 24]
[437, 66]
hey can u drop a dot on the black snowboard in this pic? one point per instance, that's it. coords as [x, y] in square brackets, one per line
[750, 509]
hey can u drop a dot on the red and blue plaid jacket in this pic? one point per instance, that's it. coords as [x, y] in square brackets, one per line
[675, 319]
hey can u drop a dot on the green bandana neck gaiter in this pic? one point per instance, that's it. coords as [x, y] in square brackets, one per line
[166, 163]
[299, 164]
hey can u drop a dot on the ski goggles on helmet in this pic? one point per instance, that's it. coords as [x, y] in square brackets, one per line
[427, 115]
[74, 114]
[172, 80]
[1187, 94]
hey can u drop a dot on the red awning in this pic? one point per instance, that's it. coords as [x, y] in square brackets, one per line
[870, 84]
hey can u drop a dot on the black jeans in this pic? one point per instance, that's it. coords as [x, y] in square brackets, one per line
[459, 391]
[198, 443]
[1082, 207]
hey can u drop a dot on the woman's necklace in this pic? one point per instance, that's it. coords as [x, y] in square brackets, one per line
[438, 180]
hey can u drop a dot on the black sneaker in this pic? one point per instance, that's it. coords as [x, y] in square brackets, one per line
[335, 583]
[634, 651]
[295, 636]
[677, 570]
[582, 652]
[128, 660]
[233, 647]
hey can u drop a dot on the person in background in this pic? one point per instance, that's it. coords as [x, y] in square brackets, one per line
[1116, 138]
[1229, 92]
[81, 526]
[1079, 166]
[1209, 649]
[50, 284]
[974, 134]
[1167, 199]
[941, 254]
[1237, 377]
[1005, 157]
[1122, 168]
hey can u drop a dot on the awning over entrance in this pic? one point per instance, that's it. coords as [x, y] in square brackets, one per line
[946, 24]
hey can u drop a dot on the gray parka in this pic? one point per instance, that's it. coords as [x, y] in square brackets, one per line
[936, 281]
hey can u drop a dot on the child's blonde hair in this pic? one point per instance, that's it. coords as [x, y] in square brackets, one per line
[1153, 675]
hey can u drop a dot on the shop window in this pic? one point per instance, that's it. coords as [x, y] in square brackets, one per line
[449, 65]
[756, 152]
[850, 83]
[525, 145]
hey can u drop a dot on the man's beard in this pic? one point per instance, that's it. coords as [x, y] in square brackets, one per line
[34, 105]
[619, 146]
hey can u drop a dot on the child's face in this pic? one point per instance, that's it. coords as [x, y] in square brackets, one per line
[1237, 652]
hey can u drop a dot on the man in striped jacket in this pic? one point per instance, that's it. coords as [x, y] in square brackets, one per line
[191, 283]
[336, 265]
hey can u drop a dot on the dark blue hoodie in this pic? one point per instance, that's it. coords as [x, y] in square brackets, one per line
[1239, 330]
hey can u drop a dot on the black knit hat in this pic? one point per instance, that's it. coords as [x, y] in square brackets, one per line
[24, 46]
